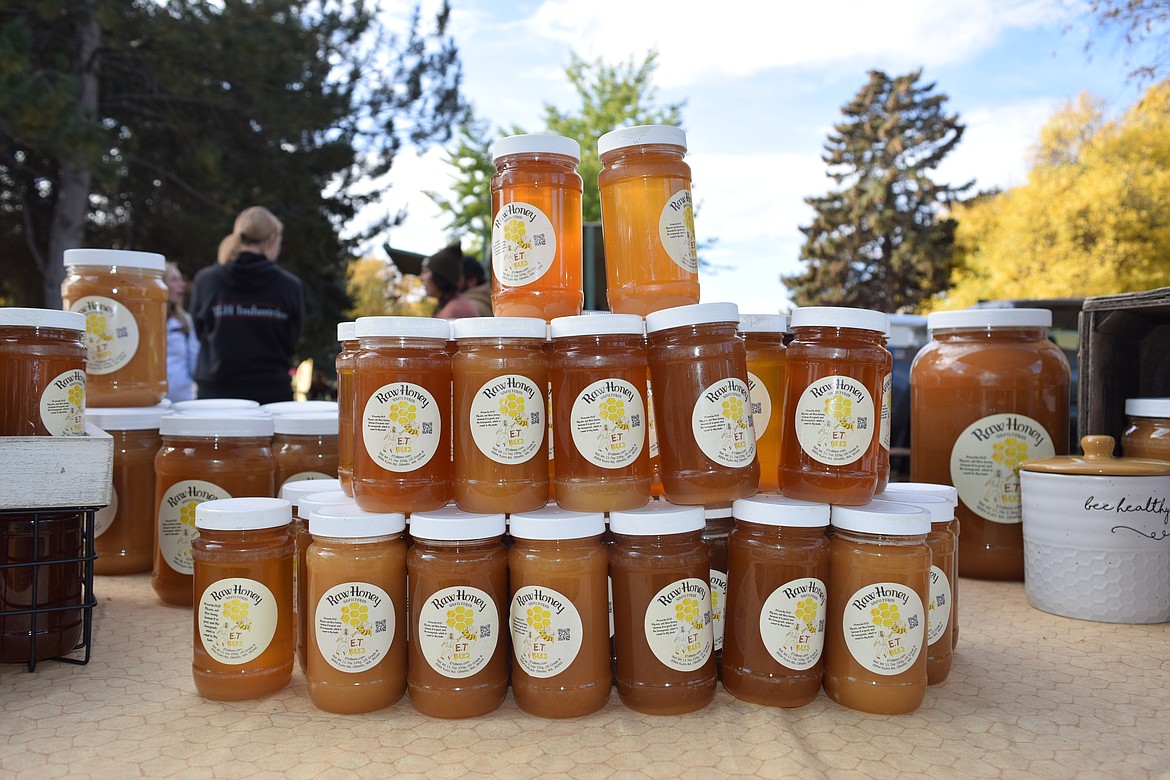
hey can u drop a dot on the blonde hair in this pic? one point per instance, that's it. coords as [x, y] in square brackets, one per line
[253, 227]
[177, 310]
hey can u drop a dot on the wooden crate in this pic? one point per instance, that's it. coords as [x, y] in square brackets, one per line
[47, 472]
[1125, 353]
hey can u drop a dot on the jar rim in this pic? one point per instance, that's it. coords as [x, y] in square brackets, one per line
[552, 522]
[781, 511]
[881, 517]
[23, 317]
[243, 514]
[303, 488]
[692, 314]
[657, 518]
[536, 143]
[967, 319]
[126, 258]
[839, 317]
[402, 327]
[640, 135]
[347, 520]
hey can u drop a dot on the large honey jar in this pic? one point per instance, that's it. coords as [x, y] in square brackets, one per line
[988, 392]
[702, 405]
[536, 227]
[767, 365]
[42, 372]
[832, 419]
[598, 370]
[124, 299]
[243, 618]
[347, 336]
[647, 219]
[304, 446]
[402, 410]
[203, 458]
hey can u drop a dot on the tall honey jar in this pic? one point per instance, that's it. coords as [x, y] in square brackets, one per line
[536, 227]
[313, 494]
[598, 369]
[402, 409]
[346, 415]
[124, 299]
[42, 372]
[836, 360]
[124, 530]
[304, 446]
[879, 585]
[777, 589]
[202, 458]
[647, 219]
[243, 616]
[663, 636]
[500, 386]
[457, 572]
[988, 392]
[559, 617]
[1148, 433]
[767, 364]
[356, 609]
[702, 405]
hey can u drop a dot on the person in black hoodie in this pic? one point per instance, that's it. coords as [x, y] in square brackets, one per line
[247, 312]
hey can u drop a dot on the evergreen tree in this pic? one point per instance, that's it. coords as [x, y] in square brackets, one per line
[880, 240]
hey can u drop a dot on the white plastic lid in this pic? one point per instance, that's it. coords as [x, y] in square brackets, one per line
[295, 491]
[658, 518]
[347, 520]
[839, 317]
[781, 511]
[716, 512]
[552, 522]
[404, 327]
[691, 314]
[215, 403]
[300, 407]
[127, 418]
[763, 323]
[939, 507]
[597, 325]
[1147, 407]
[641, 134]
[949, 492]
[224, 425]
[536, 143]
[346, 331]
[450, 523]
[319, 424]
[881, 517]
[499, 328]
[42, 318]
[242, 514]
[989, 318]
[313, 501]
[122, 258]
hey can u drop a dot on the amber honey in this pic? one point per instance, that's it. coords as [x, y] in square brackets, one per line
[42, 372]
[243, 618]
[347, 336]
[648, 219]
[305, 446]
[124, 299]
[1148, 433]
[718, 524]
[536, 227]
[767, 365]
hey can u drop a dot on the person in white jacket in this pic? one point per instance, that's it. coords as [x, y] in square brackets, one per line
[182, 344]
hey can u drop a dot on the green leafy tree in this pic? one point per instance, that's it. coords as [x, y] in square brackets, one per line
[469, 210]
[881, 240]
[1093, 217]
[148, 124]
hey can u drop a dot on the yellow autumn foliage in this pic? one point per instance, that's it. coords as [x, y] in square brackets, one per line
[378, 288]
[1092, 219]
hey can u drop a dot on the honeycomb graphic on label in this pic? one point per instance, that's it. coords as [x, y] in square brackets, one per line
[886, 616]
[97, 335]
[806, 613]
[733, 411]
[515, 232]
[512, 406]
[236, 611]
[840, 408]
[76, 396]
[404, 413]
[540, 619]
[357, 616]
[462, 620]
[687, 611]
[187, 516]
[614, 410]
[1011, 452]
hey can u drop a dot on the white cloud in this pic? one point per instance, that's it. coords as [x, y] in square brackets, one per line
[996, 145]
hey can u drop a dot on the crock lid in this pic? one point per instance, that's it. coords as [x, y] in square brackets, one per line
[1098, 460]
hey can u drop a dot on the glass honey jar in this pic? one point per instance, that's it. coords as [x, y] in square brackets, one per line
[767, 365]
[346, 415]
[304, 446]
[1148, 433]
[42, 372]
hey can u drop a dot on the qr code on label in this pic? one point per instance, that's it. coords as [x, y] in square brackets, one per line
[426, 428]
[757, 407]
[636, 420]
[534, 418]
[485, 631]
[862, 423]
[121, 333]
[912, 621]
[940, 600]
[564, 634]
[538, 239]
[379, 626]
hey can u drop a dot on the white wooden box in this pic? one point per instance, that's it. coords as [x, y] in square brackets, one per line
[46, 472]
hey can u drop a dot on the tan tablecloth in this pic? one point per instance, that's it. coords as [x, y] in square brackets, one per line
[1030, 694]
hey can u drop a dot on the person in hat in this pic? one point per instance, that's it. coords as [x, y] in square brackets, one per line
[441, 274]
[475, 287]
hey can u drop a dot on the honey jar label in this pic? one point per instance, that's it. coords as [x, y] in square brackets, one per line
[887, 402]
[651, 425]
[458, 628]
[722, 423]
[507, 419]
[835, 420]
[104, 517]
[401, 427]
[609, 591]
[676, 231]
[884, 627]
[761, 402]
[678, 624]
[63, 404]
[609, 423]
[237, 619]
[938, 612]
[111, 333]
[176, 520]
[792, 623]
[354, 626]
[524, 244]
[546, 631]
[985, 463]
[718, 600]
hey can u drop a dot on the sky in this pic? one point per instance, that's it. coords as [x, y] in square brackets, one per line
[763, 84]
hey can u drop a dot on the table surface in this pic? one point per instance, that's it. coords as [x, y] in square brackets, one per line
[1030, 695]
